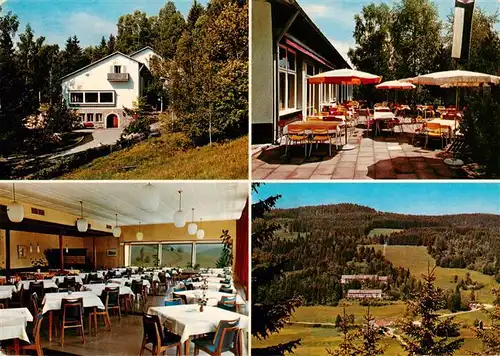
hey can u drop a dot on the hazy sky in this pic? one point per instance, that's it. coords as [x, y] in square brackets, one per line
[88, 19]
[410, 198]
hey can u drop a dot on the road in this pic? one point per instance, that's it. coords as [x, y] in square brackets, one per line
[99, 138]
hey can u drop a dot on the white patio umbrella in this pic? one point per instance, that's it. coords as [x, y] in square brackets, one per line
[455, 78]
[395, 85]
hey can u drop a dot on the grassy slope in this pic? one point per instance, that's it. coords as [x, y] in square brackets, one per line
[416, 259]
[382, 231]
[157, 159]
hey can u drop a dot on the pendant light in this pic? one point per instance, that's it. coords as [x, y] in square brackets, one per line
[117, 231]
[66, 248]
[201, 233]
[140, 235]
[37, 248]
[15, 211]
[192, 227]
[81, 223]
[179, 216]
[31, 248]
[150, 198]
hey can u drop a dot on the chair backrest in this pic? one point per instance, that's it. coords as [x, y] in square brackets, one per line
[181, 297]
[70, 281]
[136, 286]
[314, 118]
[162, 277]
[153, 332]
[434, 126]
[315, 131]
[225, 289]
[171, 302]
[291, 131]
[228, 299]
[34, 302]
[72, 307]
[180, 289]
[226, 334]
[112, 296]
[37, 324]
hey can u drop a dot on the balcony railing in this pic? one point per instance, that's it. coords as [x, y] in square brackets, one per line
[118, 77]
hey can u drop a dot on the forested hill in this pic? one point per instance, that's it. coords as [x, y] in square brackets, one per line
[359, 220]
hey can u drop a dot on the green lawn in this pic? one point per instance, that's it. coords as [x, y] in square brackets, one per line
[382, 231]
[160, 158]
[417, 259]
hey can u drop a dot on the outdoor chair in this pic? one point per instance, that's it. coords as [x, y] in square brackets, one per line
[435, 131]
[72, 316]
[227, 303]
[160, 340]
[296, 136]
[34, 343]
[226, 338]
[171, 302]
[318, 136]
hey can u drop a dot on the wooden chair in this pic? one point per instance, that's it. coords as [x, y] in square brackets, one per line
[34, 303]
[226, 289]
[295, 136]
[435, 130]
[162, 283]
[72, 316]
[35, 343]
[319, 135]
[160, 341]
[111, 302]
[227, 303]
[171, 302]
[37, 287]
[226, 338]
[17, 298]
[181, 297]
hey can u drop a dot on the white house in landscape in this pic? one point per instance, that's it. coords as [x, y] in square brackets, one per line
[101, 90]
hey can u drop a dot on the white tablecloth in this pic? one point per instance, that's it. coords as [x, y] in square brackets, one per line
[192, 296]
[217, 280]
[83, 275]
[98, 288]
[6, 291]
[52, 301]
[47, 283]
[187, 320]
[382, 115]
[60, 279]
[13, 323]
[122, 281]
[212, 286]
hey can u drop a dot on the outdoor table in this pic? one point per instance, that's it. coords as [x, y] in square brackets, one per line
[13, 325]
[187, 320]
[97, 289]
[60, 279]
[52, 301]
[6, 291]
[47, 284]
[451, 124]
[382, 115]
[192, 296]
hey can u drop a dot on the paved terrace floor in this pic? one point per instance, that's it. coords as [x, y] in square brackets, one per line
[387, 156]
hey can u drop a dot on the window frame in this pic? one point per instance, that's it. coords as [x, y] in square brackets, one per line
[92, 103]
[287, 72]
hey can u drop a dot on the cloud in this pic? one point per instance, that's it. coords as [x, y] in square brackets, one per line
[331, 12]
[342, 47]
[2, 2]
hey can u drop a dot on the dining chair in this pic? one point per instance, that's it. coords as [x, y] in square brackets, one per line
[226, 338]
[36, 287]
[162, 283]
[34, 303]
[34, 339]
[319, 135]
[110, 299]
[181, 297]
[72, 316]
[435, 130]
[296, 136]
[160, 340]
[17, 298]
[227, 303]
[172, 302]
[180, 289]
[226, 289]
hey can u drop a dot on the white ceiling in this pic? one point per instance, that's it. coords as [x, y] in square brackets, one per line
[101, 200]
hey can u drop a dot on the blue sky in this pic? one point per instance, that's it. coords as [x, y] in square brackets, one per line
[88, 19]
[408, 198]
[335, 17]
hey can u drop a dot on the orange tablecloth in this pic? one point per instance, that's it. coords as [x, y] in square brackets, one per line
[309, 125]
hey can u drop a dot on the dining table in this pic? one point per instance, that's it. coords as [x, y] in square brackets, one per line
[98, 288]
[60, 279]
[47, 284]
[123, 280]
[187, 320]
[192, 296]
[213, 286]
[52, 302]
[13, 322]
[6, 291]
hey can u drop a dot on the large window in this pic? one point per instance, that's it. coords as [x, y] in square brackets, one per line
[208, 254]
[287, 79]
[144, 255]
[176, 255]
[92, 98]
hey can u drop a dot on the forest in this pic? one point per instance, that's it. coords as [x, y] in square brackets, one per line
[204, 61]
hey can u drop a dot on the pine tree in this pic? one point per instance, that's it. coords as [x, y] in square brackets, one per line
[111, 44]
[347, 346]
[432, 335]
[490, 337]
[271, 309]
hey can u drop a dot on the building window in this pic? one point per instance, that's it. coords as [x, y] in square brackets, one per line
[98, 117]
[91, 97]
[117, 69]
[106, 97]
[90, 117]
[144, 255]
[177, 255]
[76, 97]
[208, 254]
[82, 117]
[287, 79]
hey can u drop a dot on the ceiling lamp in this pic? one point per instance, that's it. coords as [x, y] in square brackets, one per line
[81, 223]
[31, 248]
[15, 211]
[140, 235]
[37, 248]
[117, 231]
[192, 227]
[151, 199]
[179, 216]
[201, 233]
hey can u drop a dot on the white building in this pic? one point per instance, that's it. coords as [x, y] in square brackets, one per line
[365, 294]
[101, 90]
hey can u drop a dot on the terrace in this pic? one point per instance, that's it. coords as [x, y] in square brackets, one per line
[94, 268]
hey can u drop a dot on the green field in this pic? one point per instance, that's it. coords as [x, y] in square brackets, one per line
[417, 260]
[382, 231]
[161, 158]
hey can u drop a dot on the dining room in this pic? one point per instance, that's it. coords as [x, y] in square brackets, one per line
[128, 268]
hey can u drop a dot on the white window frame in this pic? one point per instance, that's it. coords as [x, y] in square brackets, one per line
[287, 72]
[98, 103]
[90, 117]
[97, 116]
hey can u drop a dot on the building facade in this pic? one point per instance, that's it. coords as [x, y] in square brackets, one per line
[346, 278]
[287, 48]
[100, 91]
[365, 294]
